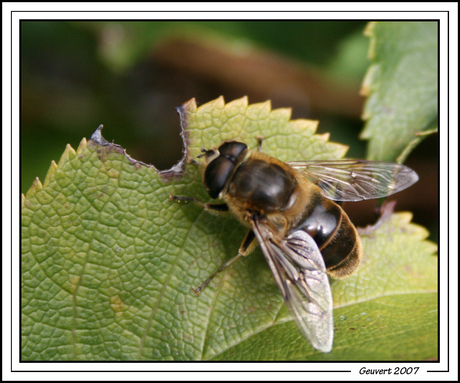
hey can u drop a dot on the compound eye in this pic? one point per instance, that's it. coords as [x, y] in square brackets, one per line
[216, 176]
[233, 150]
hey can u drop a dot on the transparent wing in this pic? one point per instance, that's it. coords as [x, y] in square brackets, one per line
[356, 180]
[300, 272]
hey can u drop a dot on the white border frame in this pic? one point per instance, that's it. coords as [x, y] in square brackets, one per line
[446, 13]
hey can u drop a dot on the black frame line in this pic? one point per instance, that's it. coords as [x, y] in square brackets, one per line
[262, 362]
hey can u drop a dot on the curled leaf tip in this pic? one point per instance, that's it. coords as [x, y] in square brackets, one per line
[97, 138]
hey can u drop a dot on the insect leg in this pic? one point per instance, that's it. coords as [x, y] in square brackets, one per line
[246, 247]
[211, 207]
[193, 161]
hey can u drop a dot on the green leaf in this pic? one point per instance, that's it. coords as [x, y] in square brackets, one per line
[387, 310]
[108, 262]
[402, 87]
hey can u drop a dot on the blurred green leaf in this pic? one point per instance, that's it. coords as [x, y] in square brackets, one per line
[108, 263]
[402, 87]
[350, 62]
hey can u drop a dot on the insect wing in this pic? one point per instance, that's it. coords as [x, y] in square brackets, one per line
[356, 180]
[300, 272]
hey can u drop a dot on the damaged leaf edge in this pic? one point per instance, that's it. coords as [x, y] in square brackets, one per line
[96, 139]
[166, 175]
[175, 172]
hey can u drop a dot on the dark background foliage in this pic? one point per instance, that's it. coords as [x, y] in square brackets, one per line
[130, 76]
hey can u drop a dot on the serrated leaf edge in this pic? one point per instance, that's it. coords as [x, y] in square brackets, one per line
[68, 154]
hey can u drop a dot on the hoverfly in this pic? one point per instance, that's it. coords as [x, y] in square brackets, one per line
[290, 211]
